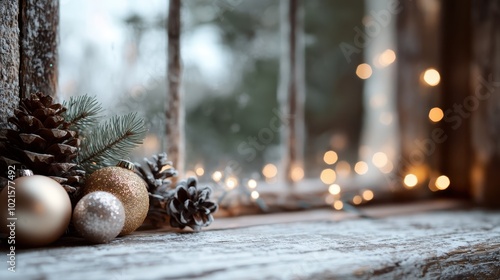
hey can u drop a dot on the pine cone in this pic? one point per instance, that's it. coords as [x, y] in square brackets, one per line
[156, 173]
[189, 206]
[39, 139]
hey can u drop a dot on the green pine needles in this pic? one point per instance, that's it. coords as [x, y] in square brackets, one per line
[102, 143]
[111, 141]
[82, 112]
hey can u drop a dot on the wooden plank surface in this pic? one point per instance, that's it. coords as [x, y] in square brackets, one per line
[447, 244]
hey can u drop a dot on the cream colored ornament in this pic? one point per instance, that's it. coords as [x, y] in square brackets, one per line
[128, 187]
[41, 208]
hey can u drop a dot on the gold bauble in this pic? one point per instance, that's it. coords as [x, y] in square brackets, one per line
[128, 187]
[42, 208]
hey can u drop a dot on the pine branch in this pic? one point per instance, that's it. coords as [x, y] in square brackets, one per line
[111, 141]
[82, 112]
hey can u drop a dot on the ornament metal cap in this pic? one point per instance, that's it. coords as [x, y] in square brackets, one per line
[126, 164]
[24, 173]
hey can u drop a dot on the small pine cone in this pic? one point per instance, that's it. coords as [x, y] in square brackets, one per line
[39, 139]
[156, 173]
[189, 206]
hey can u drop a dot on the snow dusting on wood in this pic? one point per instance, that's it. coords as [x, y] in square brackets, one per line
[39, 37]
[9, 59]
[443, 244]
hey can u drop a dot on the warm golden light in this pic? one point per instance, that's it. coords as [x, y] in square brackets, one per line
[297, 173]
[386, 58]
[329, 199]
[231, 182]
[343, 168]
[190, 173]
[217, 176]
[338, 205]
[357, 200]
[330, 157]
[255, 194]
[410, 180]
[432, 77]
[367, 195]
[334, 189]
[387, 168]
[364, 71]
[361, 167]
[200, 171]
[270, 170]
[379, 159]
[252, 183]
[328, 176]
[442, 182]
[436, 114]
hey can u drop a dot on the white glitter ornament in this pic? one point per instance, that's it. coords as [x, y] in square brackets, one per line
[99, 217]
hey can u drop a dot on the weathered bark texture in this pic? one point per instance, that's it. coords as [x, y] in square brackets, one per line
[174, 106]
[485, 101]
[435, 245]
[291, 89]
[418, 49]
[9, 59]
[38, 24]
[456, 152]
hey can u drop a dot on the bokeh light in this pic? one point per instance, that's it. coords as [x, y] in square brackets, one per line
[328, 176]
[297, 173]
[217, 176]
[334, 189]
[255, 194]
[364, 71]
[330, 157]
[436, 114]
[379, 159]
[442, 182]
[252, 184]
[361, 167]
[338, 205]
[356, 200]
[410, 180]
[432, 77]
[367, 195]
[270, 171]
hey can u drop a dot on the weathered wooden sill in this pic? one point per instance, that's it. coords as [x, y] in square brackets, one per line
[424, 240]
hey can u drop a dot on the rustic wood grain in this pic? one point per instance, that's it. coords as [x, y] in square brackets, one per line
[174, 106]
[291, 91]
[486, 93]
[39, 31]
[9, 59]
[442, 244]
[418, 46]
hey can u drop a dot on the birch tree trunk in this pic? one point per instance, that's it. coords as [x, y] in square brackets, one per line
[174, 106]
[485, 101]
[9, 59]
[38, 25]
[291, 93]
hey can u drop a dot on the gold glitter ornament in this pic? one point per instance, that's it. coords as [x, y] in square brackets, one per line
[40, 208]
[99, 217]
[127, 186]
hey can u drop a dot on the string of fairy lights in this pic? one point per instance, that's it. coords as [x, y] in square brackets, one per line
[336, 168]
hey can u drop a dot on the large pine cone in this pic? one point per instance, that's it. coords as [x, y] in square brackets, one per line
[189, 206]
[39, 139]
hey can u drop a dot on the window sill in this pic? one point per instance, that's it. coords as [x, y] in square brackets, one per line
[424, 240]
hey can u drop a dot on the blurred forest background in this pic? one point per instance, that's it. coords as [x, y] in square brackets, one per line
[231, 48]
